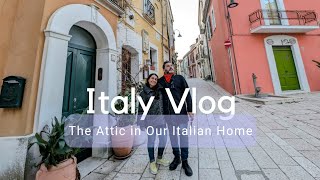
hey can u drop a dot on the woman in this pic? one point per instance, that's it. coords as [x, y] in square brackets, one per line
[154, 122]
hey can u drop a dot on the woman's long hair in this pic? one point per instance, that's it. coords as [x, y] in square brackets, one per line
[155, 88]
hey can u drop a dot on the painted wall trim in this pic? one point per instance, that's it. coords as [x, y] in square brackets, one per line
[52, 74]
[278, 40]
[57, 35]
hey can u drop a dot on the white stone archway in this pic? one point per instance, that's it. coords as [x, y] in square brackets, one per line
[284, 40]
[52, 75]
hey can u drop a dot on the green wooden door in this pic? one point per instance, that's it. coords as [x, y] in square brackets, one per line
[286, 68]
[80, 75]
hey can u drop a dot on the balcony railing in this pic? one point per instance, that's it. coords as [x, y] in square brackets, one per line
[281, 20]
[120, 3]
[149, 12]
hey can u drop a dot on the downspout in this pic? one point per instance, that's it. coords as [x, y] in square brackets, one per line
[229, 51]
[162, 31]
[233, 56]
[170, 58]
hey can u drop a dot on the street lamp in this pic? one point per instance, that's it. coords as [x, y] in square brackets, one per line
[233, 4]
[179, 33]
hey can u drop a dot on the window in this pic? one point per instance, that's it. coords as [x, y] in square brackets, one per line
[273, 12]
[271, 4]
[149, 10]
[213, 18]
[153, 56]
[209, 28]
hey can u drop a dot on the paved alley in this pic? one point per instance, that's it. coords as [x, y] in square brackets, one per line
[285, 145]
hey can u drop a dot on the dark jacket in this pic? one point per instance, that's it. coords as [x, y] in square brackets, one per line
[155, 114]
[177, 87]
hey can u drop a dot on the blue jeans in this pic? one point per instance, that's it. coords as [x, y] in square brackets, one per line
[184, 141]
[162, 141]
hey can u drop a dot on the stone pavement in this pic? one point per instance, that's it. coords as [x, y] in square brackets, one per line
[286, 145]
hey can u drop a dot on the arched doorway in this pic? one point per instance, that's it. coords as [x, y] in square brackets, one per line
[80, 75]
[80, 71]
[50, 97]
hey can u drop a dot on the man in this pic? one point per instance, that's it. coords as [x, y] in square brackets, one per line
[176, 122]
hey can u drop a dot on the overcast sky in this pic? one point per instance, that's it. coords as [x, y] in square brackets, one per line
[185, 15]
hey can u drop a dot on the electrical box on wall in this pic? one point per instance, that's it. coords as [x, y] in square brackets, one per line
[12, 92]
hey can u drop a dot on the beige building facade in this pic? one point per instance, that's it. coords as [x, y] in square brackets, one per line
[39, 38]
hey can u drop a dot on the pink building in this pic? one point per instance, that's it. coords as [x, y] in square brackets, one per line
[274, 39]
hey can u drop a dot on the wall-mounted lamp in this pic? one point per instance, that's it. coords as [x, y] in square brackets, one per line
[148, 62]
[179, 33]
[233, 4]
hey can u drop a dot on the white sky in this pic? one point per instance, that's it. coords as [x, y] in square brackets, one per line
[185, 15]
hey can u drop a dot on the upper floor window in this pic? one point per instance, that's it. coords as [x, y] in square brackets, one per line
[208, 28]
[213, 18]
[270, 4]
[149, 11]
[272, 10]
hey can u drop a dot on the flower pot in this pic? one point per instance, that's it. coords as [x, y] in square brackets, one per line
[122, 144]
[65, 170]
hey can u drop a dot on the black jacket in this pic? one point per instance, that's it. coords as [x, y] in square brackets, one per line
[155, 114]
[177, 87]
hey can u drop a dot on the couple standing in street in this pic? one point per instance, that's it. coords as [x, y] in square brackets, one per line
[161, 115]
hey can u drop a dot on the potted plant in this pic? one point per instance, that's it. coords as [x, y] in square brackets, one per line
[58, 160]
[122, 143]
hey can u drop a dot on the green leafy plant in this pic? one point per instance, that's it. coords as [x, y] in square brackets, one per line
[52, 145]
[317, 63]
[124, 120]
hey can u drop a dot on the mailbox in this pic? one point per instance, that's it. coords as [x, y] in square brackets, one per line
[12, 92]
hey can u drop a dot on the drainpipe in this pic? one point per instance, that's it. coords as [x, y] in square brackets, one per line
[162, 36]
[232, 71]
[232, 55]
[168, 35]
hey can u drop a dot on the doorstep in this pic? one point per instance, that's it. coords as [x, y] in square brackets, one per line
[269, 99]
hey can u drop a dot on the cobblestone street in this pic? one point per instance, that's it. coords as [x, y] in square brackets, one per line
[286, 146]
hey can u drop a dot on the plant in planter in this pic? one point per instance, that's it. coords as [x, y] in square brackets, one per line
[122, 144]
[58, 161]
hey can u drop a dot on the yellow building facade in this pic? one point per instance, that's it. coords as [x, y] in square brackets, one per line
[146, 32]
[37, 40]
